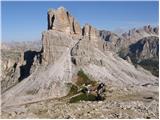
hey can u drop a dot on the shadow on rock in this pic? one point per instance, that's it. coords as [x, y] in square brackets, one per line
[29, 58]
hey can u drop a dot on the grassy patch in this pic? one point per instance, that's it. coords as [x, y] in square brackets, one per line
[73, 90]
[78, 90]
[84, 79]
[83, 97]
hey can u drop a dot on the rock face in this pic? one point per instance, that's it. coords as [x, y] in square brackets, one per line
[116, 43]
[145, 48]
[10, 74]
[140, 45]
[90, 32]
[9, 67]
[112, 41]
[83, 53]
[54, 41]
[54, 45]
[61, 20]
[17, 63]
[128, 59]
[136, 34]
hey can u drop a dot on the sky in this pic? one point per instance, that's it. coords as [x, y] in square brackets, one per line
[26, 20]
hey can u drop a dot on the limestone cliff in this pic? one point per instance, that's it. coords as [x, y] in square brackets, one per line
[61, 20]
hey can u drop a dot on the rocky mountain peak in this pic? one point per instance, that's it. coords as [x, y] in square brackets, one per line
[145, 31]
[150, 29]
[61, 20]
[90, 31]
[55, 40]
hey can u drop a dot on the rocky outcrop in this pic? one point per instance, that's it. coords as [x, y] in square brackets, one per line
[90, 32]
[10, 69]
[150, 29]
[83, 53]
[55, 41]
[128, 59]
[61, 20]
[145, 48]
[135, 35]
[116, 43]
[54, 45]
[111, 40]
[142, 46]
[156, 30]
[13, 57]
[137, 43]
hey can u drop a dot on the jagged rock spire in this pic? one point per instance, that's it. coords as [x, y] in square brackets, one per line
[61, 20]
[90, 31]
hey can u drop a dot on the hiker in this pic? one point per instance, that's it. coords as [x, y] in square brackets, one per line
[97, 90]
[100, 90]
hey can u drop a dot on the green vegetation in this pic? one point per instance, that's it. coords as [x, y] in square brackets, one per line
[79, 90]
[83, 97]
[73, 90]
[84, 79]
[151, 65]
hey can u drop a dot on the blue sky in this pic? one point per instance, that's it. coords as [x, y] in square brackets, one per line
[25, 21]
